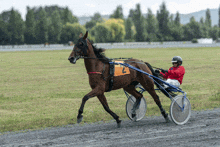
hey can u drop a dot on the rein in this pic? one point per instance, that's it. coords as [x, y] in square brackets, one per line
[110, 59]
[102, 58]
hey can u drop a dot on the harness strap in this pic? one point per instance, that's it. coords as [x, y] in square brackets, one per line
[111, 74]
[94, 73]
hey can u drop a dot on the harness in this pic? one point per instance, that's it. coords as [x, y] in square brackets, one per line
[111, 75]
[83, 46]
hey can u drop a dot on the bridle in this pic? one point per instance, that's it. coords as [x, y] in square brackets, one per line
[79, 47]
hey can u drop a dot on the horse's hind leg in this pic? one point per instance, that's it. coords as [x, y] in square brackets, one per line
[104, 103]
[131, 90]
[150, 88]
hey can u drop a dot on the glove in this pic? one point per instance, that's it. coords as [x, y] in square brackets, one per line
[157, 71]
[164, 71]
[160, 75]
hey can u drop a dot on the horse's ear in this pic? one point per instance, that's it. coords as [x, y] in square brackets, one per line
[81, 35]
[85, 36]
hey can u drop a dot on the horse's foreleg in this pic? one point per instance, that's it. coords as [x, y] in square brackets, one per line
[91, 94]
[104, 103]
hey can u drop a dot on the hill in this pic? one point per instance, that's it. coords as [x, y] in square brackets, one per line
[184, 18]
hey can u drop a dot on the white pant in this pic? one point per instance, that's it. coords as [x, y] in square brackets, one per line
[172, 82]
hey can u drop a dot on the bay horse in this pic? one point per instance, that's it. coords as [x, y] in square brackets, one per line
[98, 67]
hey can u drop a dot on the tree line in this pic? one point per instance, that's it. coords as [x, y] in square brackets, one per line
[58, 25]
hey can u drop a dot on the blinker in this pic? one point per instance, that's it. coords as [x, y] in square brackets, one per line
[83, 46]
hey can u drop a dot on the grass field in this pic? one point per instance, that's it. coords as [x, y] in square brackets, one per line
[41, 89]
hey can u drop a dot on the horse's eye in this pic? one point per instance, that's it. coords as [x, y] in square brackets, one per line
[80, 44]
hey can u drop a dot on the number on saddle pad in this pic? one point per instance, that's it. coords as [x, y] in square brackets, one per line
[121, 70]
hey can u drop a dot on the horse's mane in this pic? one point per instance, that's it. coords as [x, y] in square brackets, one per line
[99, 52]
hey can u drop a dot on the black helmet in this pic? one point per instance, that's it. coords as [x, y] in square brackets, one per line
[177, 59]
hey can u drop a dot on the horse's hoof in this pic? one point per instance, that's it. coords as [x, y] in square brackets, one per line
[167, 119]
[119, 124]
[79, 119]
[135, 118]
[133, 115]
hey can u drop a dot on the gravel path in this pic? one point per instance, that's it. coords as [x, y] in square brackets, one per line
[203, 130]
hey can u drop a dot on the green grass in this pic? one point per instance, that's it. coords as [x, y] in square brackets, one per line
[41, 89]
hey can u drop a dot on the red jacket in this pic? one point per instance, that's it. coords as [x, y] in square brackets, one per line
[176, 73]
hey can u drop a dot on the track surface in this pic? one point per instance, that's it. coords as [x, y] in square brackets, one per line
[203, 130]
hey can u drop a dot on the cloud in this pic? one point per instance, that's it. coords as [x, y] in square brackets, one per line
[132, 3]
[155, 7]
[90, 5]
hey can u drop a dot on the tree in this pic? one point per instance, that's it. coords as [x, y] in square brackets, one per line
[139, 22]
[201, 20]
[29, 35]
[118, 13]
[5, 16]
[90, 24]
[42, 28]
[55, 28]
[129, 29]
[204, 28]
[102, 33]
[171, 19]
[151, 27]
[70, 32]
[16, 28]
[4, 35]
[97, 17]
[176, 29]
[163, 21]
[117, 29]
[192, 30]
[177, 19]
[208, 20]
[214, 32]
[68, 16]
[219, 16]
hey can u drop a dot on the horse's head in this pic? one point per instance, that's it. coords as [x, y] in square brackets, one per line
[80, 48]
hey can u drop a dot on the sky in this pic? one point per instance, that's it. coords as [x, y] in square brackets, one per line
[90, 7]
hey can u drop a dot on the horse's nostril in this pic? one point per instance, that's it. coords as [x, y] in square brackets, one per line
[69, 58]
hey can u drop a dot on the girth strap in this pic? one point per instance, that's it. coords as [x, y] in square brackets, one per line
[111, 74]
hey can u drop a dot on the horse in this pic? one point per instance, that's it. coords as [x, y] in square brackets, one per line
[98, 68]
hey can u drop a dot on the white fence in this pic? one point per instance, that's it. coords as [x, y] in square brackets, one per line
[30, 46]
[110, 45]
[119, 44]
[205, 40]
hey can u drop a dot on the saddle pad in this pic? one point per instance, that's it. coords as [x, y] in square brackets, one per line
[121, 70]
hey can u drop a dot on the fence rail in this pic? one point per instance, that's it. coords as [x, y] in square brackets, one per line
[98, 44]
[108, 45]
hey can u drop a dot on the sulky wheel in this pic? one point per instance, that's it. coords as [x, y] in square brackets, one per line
[140, 112]
[178, 114]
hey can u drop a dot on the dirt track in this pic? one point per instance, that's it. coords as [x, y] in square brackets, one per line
[203, 129]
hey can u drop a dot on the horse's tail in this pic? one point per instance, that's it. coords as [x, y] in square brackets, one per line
[157, 81]
[151, 69]
[154, 74]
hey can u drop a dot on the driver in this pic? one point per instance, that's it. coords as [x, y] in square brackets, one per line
[175, 74]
